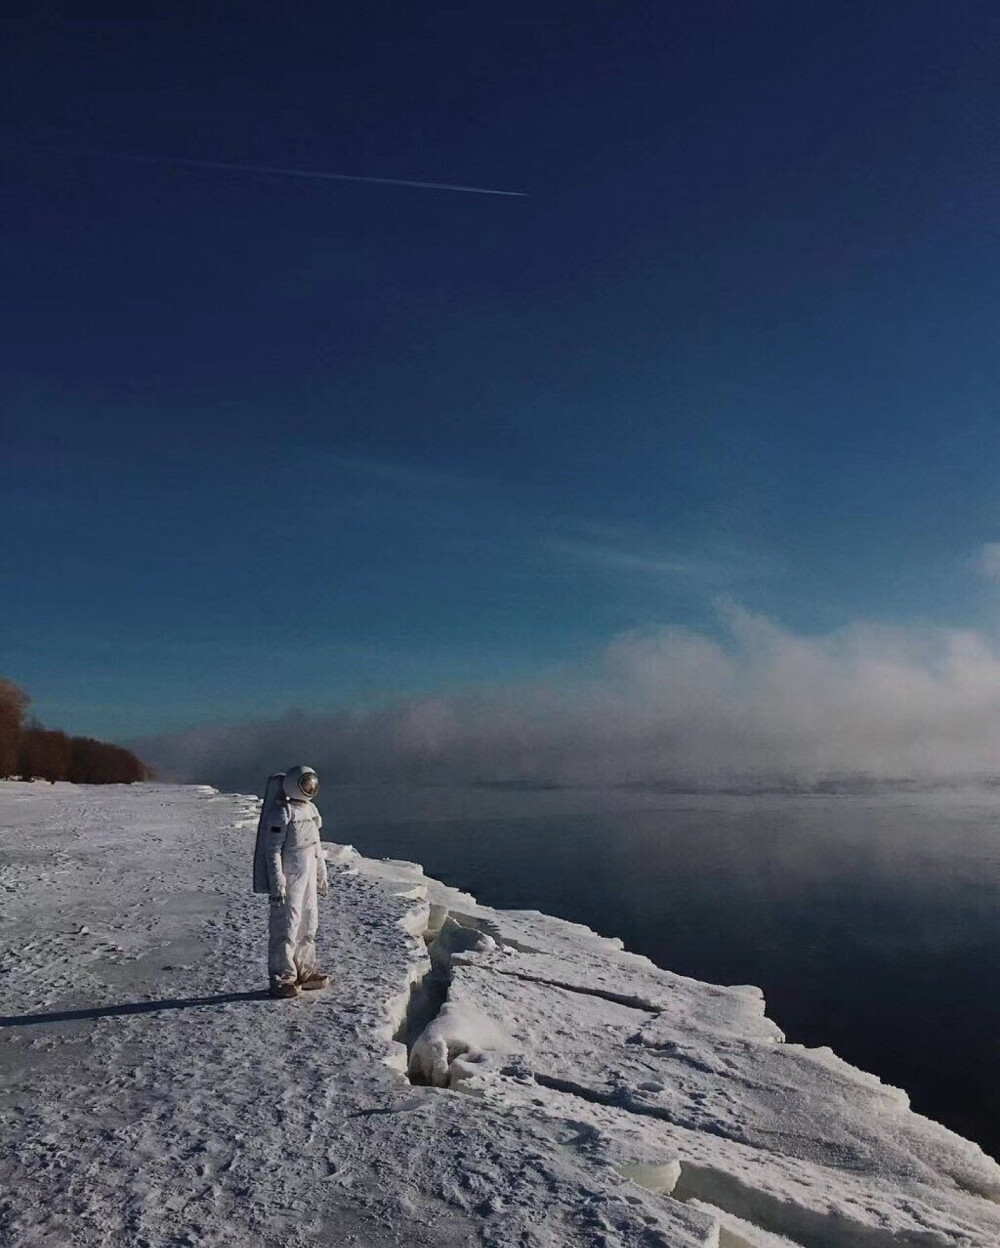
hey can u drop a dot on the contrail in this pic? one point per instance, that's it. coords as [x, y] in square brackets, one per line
[317, 174]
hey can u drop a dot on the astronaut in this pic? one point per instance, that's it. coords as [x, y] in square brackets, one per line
[296, 872]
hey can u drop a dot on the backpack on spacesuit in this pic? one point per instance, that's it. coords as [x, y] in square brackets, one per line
[274, 800]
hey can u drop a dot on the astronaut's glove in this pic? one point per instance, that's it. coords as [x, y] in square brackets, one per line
[278, 898]
[322, 887]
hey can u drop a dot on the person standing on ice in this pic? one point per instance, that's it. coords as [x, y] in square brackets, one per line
[288, 841]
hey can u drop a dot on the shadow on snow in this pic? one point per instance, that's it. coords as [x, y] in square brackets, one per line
[130, 1007]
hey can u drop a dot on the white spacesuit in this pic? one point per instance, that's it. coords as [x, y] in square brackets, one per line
[296, 872]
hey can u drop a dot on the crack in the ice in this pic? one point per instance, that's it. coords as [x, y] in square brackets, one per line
[429, 1055]
[618, 1098]
[622, 1097]
[810, 1228]
[427, 995]
[806, 1227]
[492, 929]
[744, 1234]
[604, 994]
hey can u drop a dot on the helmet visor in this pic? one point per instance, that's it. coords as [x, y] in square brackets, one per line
[309, 784]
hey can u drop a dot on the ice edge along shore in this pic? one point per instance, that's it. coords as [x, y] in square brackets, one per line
[473, 1076]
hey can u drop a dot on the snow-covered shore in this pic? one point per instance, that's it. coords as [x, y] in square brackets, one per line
[151, 1094]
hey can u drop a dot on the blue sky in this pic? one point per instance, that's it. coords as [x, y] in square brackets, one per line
[271, 442]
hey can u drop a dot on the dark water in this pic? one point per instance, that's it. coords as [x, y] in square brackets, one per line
[871, 923]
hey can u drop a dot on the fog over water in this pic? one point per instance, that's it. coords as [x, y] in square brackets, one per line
[751, 702]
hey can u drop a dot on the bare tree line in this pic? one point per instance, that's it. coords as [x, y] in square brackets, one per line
[35, 753]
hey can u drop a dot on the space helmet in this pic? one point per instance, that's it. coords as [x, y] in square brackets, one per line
[301, 784]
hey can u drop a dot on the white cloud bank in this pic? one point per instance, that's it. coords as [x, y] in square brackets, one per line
[666, 705]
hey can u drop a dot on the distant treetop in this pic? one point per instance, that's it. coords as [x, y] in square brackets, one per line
[33, 752]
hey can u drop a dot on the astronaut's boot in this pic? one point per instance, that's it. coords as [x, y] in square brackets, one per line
[315, 979]
[284, 988]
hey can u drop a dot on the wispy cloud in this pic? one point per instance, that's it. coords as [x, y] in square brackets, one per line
[631, 549]
[621, 560]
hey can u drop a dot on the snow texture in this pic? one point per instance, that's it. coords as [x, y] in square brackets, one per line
[472, 1077]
